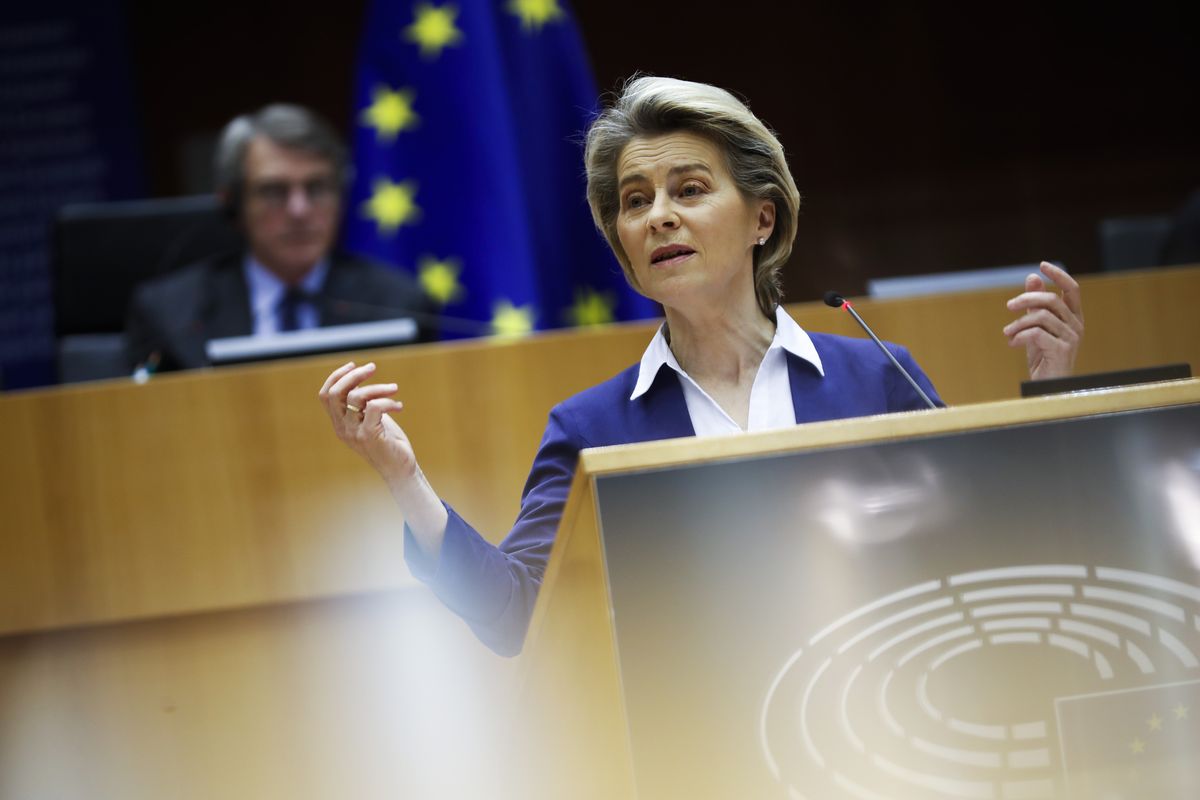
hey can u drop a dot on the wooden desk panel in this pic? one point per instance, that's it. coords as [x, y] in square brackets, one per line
[225, 488]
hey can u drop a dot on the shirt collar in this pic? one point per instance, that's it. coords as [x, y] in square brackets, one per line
[789, 336]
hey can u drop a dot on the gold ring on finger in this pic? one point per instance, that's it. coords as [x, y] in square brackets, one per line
[354, 408]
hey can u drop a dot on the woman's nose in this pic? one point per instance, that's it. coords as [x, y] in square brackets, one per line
[662, 214]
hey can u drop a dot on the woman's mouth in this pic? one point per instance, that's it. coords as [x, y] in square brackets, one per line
[671, 254]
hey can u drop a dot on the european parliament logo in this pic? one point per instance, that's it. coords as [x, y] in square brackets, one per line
[1039, 681]
[469, 167]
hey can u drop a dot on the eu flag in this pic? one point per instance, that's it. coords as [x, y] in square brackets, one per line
[1133, 743]
[468, 163]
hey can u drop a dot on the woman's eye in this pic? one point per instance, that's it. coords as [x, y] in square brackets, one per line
[690, 190]
[635, 201]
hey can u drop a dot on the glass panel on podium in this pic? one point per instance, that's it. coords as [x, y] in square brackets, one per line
[1000, 613]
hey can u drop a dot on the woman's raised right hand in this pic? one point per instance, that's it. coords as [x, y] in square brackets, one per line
[360, 415]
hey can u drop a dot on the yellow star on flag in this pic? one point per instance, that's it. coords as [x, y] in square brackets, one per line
[591, 308]
[535, 14]
[392, 204]
[1181, 711]
[1154, 723]
[390, 112]
[1137, 746]
[510, 320]
[439, 279]
[433, 28]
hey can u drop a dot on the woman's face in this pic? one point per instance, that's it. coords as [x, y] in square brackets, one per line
[687, 231]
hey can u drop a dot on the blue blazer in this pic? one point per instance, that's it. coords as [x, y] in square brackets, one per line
[494, 588]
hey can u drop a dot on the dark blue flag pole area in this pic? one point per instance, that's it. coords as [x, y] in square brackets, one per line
[468, 163]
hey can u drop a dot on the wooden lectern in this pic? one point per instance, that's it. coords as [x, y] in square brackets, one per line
[999, 600]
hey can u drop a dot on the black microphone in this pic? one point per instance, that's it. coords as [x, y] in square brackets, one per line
[835, 300]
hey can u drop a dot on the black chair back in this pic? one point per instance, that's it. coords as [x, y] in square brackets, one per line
[102, 251]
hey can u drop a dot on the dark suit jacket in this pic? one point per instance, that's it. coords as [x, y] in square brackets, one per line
[494, 588]
[175, 315]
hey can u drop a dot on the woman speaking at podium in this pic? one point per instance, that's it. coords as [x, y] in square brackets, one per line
[694, 195]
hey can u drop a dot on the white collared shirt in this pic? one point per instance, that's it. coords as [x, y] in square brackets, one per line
[265, 290]
[770, 396]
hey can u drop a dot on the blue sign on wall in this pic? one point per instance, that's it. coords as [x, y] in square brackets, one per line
[67, 134]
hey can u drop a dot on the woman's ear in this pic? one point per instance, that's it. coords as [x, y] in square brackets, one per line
[766, 219]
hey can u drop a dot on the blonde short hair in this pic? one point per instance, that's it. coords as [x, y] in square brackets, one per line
[650, 106]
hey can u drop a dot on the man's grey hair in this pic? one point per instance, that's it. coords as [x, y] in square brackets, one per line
[284, 124]
[651, 106]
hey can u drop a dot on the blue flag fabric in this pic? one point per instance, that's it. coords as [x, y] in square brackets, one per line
[468, 163]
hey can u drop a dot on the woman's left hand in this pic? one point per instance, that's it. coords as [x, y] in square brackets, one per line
[1051, 324]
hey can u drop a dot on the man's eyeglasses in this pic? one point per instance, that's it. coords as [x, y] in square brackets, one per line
[276, 194]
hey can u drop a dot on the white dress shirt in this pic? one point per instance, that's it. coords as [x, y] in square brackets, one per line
[265, 290]
[770, 396]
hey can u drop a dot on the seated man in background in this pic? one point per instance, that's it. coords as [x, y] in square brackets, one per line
[281, 173]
